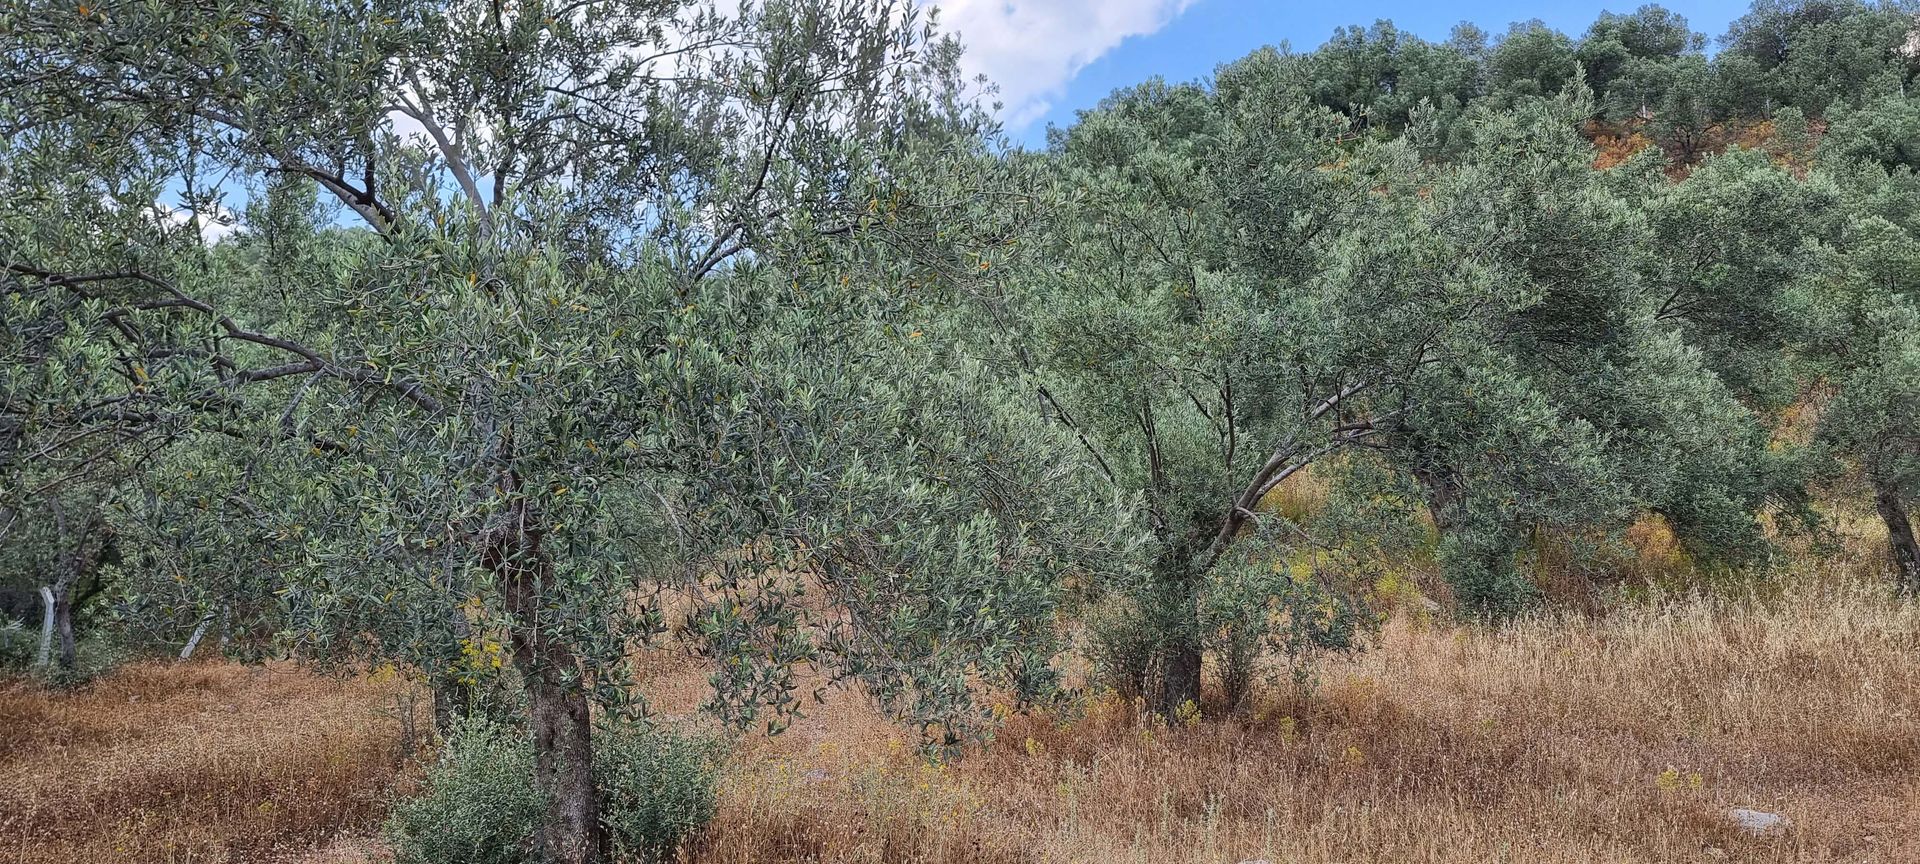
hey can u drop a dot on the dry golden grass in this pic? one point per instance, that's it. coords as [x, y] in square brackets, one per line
[1616, 738]
[199, 762]
[1614, 146]
[1560, 739]
[1619, 733]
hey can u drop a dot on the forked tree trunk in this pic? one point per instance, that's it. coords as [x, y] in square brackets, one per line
[78, 564]
[558, 709]
[1900, 538]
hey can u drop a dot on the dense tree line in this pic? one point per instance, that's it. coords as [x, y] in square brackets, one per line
[559, 330]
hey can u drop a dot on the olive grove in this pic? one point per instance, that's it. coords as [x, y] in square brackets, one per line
[497, 342]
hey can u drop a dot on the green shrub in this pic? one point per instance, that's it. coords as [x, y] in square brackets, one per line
[1300, 606]
[96, 652]
[1122, 644]
[1486, 578]
[479, 804]
[17, 645]
[656, 787]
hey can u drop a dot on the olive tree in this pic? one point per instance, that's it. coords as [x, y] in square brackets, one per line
[578, 377]
[1379, 75]
[1211, 290]
[1616, 42]
[1868, 347]
[1816, 54]
[76, 419]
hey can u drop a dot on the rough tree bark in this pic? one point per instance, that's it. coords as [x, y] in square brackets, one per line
[1180, 652]
[90, 549]
[1180, 677]
[63, 625]
[558, 709]
[1900, 537]
[562, 724]
[72, 571]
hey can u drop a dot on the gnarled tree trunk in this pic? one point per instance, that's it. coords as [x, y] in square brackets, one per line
[559, 711]
[1900, 538]
[562, 727]
[1180, 649]
[73, 569]
[1179, 676]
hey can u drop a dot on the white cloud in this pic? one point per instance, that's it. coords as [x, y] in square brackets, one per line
[215, 225]
[1032, 48]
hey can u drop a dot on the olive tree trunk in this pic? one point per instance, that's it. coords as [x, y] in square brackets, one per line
[56, 627]
[1900, 538]
[199, 633]
[1181, 651]
[1180, 676]
[63, 625]
[79, 562]
[559, 712]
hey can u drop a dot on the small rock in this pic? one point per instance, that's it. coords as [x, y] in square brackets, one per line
[817, 775]
[1759, 823]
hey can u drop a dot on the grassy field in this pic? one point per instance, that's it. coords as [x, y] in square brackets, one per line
[1571, 738]
[207, 761]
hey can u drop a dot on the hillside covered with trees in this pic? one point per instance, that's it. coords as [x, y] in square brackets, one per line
[493, 351]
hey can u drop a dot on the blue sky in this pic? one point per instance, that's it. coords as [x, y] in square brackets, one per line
[1054, 57]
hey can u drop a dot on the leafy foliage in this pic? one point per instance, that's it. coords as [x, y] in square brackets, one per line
[478, 803]
[658, 787]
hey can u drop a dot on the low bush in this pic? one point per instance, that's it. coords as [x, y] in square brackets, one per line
[656, 788]
[1299, 607]
[18, 643]
[478, 806]
[1122, 645]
